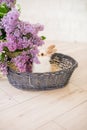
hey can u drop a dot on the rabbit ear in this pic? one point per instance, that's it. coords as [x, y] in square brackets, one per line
[51, 49]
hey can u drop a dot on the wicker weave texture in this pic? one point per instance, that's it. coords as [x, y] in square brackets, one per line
[48, 80]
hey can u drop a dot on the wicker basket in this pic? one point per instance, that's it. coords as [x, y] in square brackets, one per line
[48, 80]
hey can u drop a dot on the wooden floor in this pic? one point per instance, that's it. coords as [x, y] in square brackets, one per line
[60, 109]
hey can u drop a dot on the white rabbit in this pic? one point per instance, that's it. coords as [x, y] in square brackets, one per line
[44, 58]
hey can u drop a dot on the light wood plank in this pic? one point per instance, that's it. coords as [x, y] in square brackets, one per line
[6, 101]
[75, 119]
[38, 111]
[50, 126]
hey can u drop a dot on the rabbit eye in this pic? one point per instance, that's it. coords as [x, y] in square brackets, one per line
[42, 54]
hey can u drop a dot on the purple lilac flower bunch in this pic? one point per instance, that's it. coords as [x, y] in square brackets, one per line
[19, 40]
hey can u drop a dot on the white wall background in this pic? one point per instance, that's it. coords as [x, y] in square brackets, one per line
[64, 20]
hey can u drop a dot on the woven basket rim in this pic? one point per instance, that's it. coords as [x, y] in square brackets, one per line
[56, 72]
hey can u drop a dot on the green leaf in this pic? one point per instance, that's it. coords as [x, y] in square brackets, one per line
[2, 56]
[5, 49]
[3, 10]
[43, 37]
[3, 36]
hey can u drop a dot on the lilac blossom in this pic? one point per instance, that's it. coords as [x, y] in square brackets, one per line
[1, 46]
[12, 46]
[22, 32]
[3, 68]
[9, 21]
[21, 61]
[21, 37]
